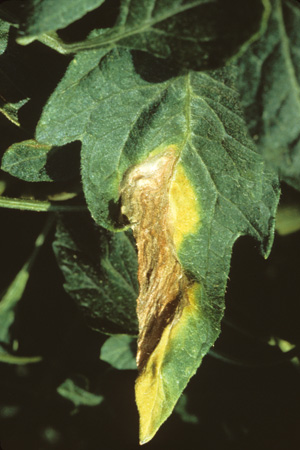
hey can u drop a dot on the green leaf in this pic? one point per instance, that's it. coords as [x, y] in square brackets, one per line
[14, 89]
[9, 302]
[182, 410]
[222, 189]
[26, 73]
[51, 15]
[67, 113]
[4, 29]
[77, 395]
[15, 291]
[32, 161]
[288, 218]
[116, 118]
[269, 81]
[119, 351]
[100, 272]
[11, 297]
[11, 110]
[196, 33]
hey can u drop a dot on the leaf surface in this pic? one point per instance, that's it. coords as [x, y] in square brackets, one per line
[182, 410]
[15, 290]
[269, 81]
[119, 352]
[31, 161]
[4, 29]
[100, 272]
[51, 15]
[70, 390]
[10, 300]
[218, 191]
[11, 110]
[196, 33]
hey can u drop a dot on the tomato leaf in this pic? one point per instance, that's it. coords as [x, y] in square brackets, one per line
[100, 272]
[11, 110]
[119, 352]
[199, 34]
[4, 29]
[50, 15]
[269, 82]
[31, 161]
[220, 189]
[70, 390]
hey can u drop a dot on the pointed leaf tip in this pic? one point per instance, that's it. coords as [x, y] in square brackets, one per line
[169, 368]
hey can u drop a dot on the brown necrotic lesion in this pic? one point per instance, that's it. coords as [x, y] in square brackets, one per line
[163, 284]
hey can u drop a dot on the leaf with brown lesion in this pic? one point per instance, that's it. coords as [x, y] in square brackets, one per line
[161, 207]
[191, 183]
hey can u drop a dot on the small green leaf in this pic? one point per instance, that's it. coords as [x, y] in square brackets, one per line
[14, 89]
[11, 110]
[9, 302]
[119, 351]
[11, 298]
[15, 291]
[32, 161]
[100, 271]
[77, 395]
[288, 218]
[269, 81]
[26, 73]
[182, 410]
[51, 15]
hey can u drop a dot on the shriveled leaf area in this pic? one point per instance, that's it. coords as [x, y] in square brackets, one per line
[153, 135]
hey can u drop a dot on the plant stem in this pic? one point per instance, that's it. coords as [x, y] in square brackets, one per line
[12, 359]
[38, 206]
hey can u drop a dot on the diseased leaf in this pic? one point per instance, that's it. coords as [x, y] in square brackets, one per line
[119, 352]
[182, 137]
[199, 34]
[100, 272]
[32, 161]
[269, 81]
[77, 395]
[51, 15]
